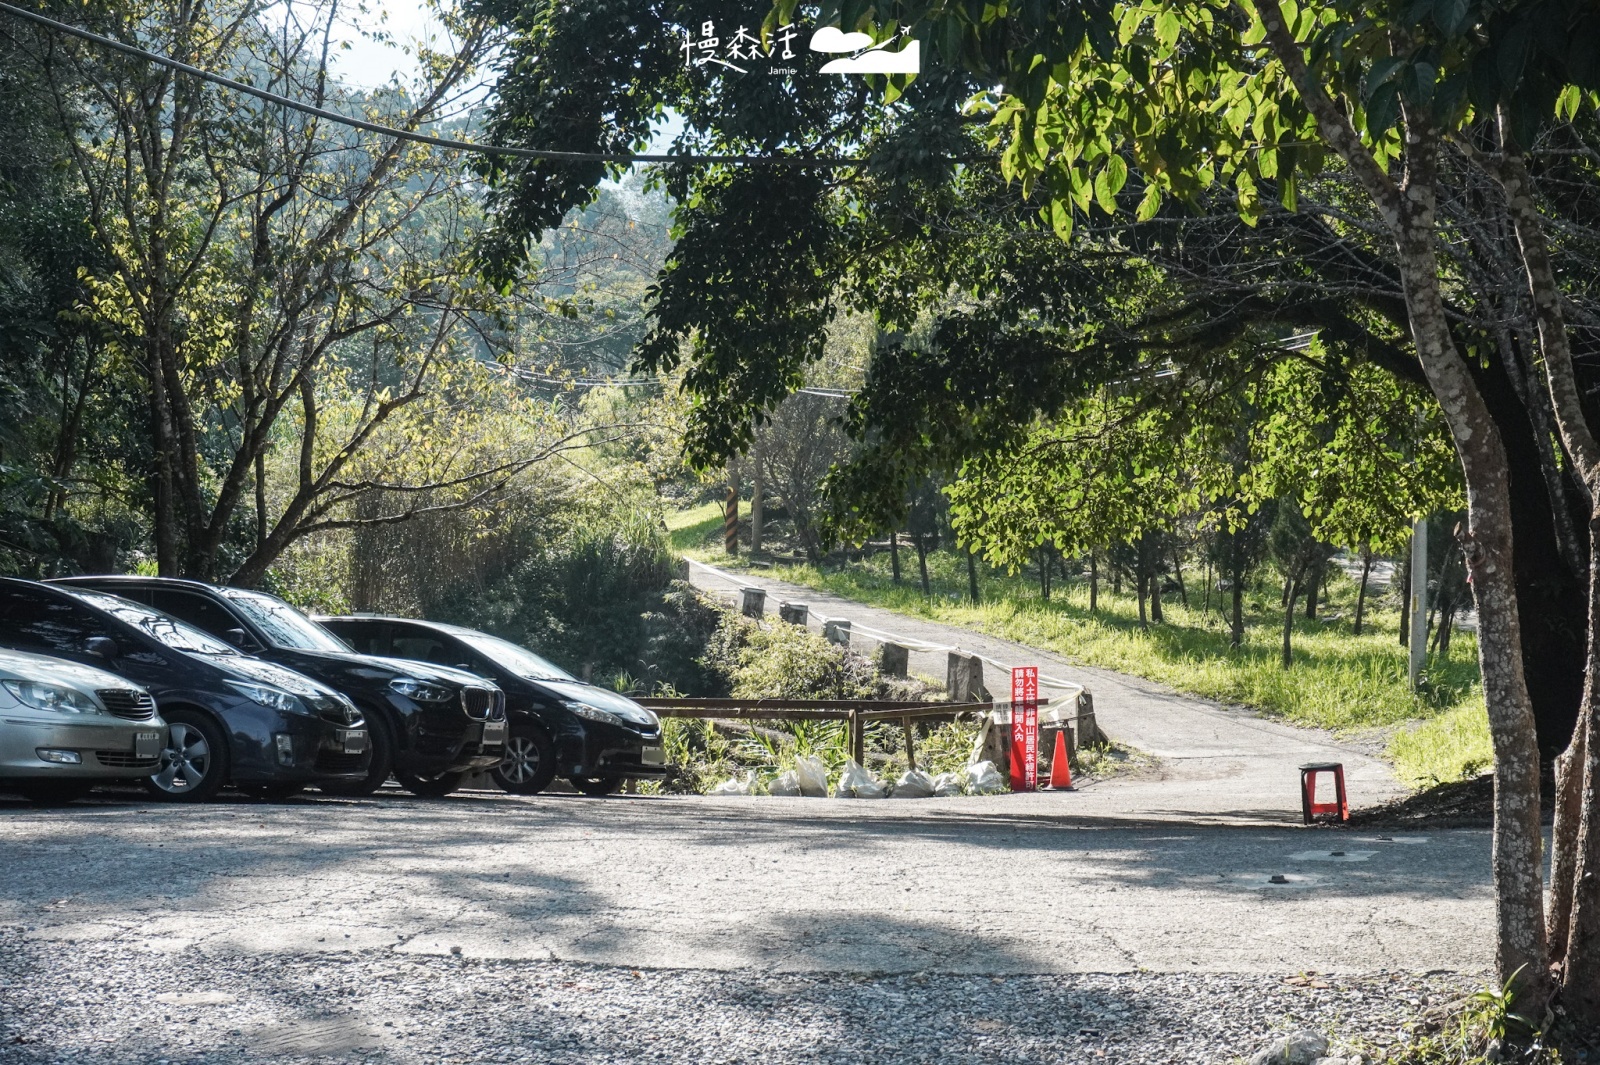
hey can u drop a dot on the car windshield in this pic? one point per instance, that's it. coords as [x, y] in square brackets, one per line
[178, 635]
[284, 625]
[519, 660]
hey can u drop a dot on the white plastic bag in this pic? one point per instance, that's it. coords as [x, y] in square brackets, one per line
[785, 785]
[857, 783]
[947, 784]
[737, 786]
[914, 784]
[812, 776]
[984, 779]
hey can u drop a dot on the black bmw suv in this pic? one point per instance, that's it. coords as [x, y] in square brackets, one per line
[560, 726]
[231, 719]
[430, 724]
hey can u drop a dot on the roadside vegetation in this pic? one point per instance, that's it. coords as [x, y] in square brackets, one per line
[1338, 680]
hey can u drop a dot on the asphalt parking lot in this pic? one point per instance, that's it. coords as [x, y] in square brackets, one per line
[374, 929]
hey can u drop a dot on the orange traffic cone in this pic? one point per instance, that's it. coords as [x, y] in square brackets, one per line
[1061, 765]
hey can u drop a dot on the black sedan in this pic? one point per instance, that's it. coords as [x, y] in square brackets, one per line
[262, 727]
[430, 724]
[560, 726]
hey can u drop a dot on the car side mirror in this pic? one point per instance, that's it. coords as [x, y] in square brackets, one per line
[101, 647]
[238, 637]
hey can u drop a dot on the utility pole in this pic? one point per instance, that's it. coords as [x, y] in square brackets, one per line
[1418, 643]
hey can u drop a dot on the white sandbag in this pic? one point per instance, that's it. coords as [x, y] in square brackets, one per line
[914, 784]
[859, 783]
[811, 773]
[785, 785]
[737, 786]
[984, 779]
[946, 785]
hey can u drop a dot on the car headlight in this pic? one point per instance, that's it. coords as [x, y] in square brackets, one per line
[421, 690]
[274, 698]
[594, 713]
[51, 697]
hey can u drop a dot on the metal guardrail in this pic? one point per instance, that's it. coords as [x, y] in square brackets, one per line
[857, 713]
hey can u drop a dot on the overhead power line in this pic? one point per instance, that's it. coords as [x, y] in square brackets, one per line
[409, 135]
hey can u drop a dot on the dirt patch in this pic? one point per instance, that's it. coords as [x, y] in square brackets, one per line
[1460, 804]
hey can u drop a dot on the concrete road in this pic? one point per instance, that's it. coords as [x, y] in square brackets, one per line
[1215, 762]
[1008, 884]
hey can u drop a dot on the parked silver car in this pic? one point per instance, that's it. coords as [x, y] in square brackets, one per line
[66, 727]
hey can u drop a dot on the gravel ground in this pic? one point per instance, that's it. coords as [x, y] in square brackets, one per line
[100, 1003]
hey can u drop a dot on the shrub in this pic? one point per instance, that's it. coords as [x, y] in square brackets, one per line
[785, 662]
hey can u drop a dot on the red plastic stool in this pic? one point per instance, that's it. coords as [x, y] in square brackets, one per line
[1308, 791]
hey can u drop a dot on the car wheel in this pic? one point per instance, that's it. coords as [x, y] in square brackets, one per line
[57, 792]
[381, 740]
[195, 764]
[529, 764]
[596, 786]
[272, 792]
[429, 785]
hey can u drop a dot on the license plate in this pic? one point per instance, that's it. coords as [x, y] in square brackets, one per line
[494, 732]
[354, 740]
[653, 756]
[146, 744]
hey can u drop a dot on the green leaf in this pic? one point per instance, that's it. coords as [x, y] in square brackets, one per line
[1512, 55]
[1383, 111]
[1103, 194]
[1061, 218]
[1451, 16]
[1567, 103]
[1150, 204]
[1167, 30]
[1131, 20]
[1382, 70]
[1420, 81]
[1249, 198]
[1116, 173]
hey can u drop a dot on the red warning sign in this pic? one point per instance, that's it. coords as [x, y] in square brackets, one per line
[1025, 728]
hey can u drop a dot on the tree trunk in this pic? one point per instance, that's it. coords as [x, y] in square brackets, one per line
[972, 577]
[1405, 600]
[1139, 584]
[1441, 639]
[1148, 553]
[922, 563]
[1564, 834]
[1361, 596]
[1408, 210]
[1237, 633]
[1045, 563]
[894, 554]
[758, 516]
[1177, 571]
[1094, 584]
[730, 512]
[1576, 857]
[1291, 592]
[1313, 589]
